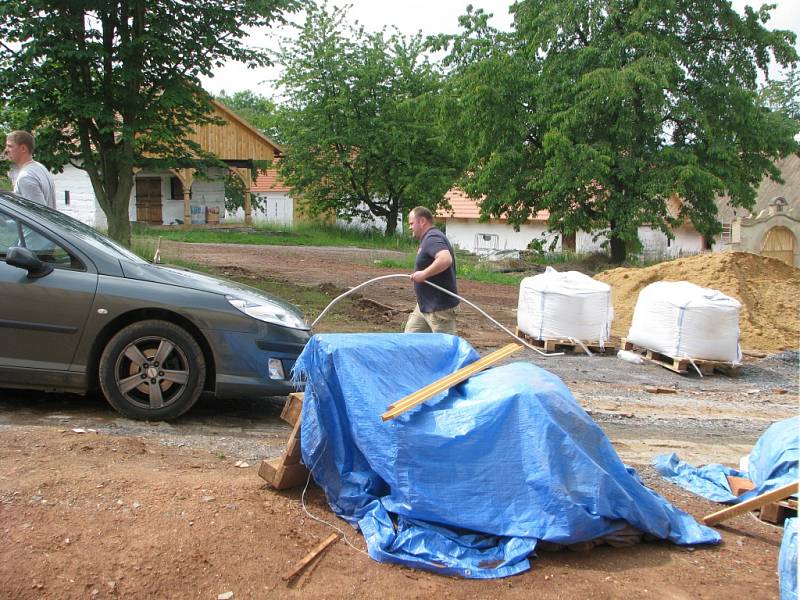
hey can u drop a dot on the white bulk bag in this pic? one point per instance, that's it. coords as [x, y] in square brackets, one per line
[681, 319]
[555, 305]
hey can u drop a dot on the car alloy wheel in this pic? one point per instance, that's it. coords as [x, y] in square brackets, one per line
[152, 370]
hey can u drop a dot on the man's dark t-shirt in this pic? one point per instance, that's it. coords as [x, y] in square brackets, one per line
[429, 298]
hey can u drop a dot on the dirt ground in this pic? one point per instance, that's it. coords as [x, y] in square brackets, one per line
[93, 505]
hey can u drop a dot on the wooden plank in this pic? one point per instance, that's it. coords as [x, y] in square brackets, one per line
[282, 476]
[293, 453]
[306, 560]
[293, 408]
[418, 397]
[752, 504]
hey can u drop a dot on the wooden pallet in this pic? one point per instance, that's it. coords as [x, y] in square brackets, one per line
[565, 345]
[682, 365]
[287, 471]
[778, 512]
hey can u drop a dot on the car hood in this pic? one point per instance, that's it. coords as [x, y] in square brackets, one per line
[187, 278]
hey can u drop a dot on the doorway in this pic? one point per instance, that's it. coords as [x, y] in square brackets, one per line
[148, 200]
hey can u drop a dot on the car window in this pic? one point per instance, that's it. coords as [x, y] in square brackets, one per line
[16, 233]
[9, 234]
[78, 229]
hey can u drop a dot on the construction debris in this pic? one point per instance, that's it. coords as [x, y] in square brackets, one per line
[753, 504]
[309, 558]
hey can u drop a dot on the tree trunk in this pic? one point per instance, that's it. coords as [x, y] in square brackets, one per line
[619, 250]
[119, 226]
[391, 219]
[117, 212]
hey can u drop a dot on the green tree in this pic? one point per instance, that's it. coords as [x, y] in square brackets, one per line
[784, 94]
[360, 126]
[110, 85]
[600, 110]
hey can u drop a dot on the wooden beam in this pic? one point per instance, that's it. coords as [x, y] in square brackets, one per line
[293, 408]
[752, 504]
[282, 476]
[429, 391]
[306, 560]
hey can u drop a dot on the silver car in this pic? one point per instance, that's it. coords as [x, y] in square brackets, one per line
[80, 312]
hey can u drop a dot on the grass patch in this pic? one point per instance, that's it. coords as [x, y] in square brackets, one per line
[267, 234]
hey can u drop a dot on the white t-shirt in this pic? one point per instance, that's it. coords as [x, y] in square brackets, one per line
[34, 182]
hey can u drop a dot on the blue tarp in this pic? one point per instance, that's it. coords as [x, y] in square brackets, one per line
[467, 483]
[787, 561]
[772, 463]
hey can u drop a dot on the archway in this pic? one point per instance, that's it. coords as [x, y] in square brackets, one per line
[779, 242]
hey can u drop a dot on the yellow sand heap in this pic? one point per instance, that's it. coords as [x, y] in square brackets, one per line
[768, 289]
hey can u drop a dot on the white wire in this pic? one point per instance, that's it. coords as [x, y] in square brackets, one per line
[323, 521]
[441, 289]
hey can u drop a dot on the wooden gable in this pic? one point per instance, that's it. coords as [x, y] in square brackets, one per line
[236, 140]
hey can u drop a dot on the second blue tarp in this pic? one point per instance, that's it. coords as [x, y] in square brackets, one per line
[772, 463]
[467, 483]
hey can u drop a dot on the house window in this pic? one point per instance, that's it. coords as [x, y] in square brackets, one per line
[66, 197]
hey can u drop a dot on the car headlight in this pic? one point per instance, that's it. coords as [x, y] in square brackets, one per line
[264, 311]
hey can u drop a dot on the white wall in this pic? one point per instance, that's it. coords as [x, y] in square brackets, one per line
[84, 207]
[82, 204]
[277, 208]
[371, 222]
[462, 234]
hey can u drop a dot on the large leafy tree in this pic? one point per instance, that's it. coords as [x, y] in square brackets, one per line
[114, 84]
[360, 122]
[601, 110]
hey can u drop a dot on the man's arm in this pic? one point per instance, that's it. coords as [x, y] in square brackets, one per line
[441, 262]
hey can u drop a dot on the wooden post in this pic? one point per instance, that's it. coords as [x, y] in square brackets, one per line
[186, 176]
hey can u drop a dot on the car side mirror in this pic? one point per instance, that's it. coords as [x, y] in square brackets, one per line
[25, 259]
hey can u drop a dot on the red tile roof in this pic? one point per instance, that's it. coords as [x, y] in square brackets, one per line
[269, 181]
[464, 207]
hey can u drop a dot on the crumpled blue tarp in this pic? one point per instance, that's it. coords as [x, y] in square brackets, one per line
[787, 561]
[468, 482]
[772, 463]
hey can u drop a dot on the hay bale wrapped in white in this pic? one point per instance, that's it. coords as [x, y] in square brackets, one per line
[681, 319]
[555, 305]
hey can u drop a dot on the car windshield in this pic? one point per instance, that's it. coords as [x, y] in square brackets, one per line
[80, 230]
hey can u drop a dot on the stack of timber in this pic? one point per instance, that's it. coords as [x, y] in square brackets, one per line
[287, 471]
[774, 512]
[568, 345]
[684, 365]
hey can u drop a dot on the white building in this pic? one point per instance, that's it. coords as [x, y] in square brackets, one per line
[466, 231]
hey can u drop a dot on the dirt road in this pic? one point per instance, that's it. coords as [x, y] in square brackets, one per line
[96, 506]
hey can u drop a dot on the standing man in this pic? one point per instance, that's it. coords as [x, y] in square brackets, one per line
[32, 180]
[435, 310]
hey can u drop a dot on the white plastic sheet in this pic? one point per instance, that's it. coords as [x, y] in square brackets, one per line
[681, 319]
[555, 305]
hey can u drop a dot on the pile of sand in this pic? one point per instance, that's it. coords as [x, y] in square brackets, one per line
[768, 289]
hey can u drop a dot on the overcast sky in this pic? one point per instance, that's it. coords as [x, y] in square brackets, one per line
[430, 17]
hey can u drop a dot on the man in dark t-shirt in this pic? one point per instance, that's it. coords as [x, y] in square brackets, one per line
[435, 310]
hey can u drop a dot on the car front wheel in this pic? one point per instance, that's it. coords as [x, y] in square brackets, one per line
[152, 370]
